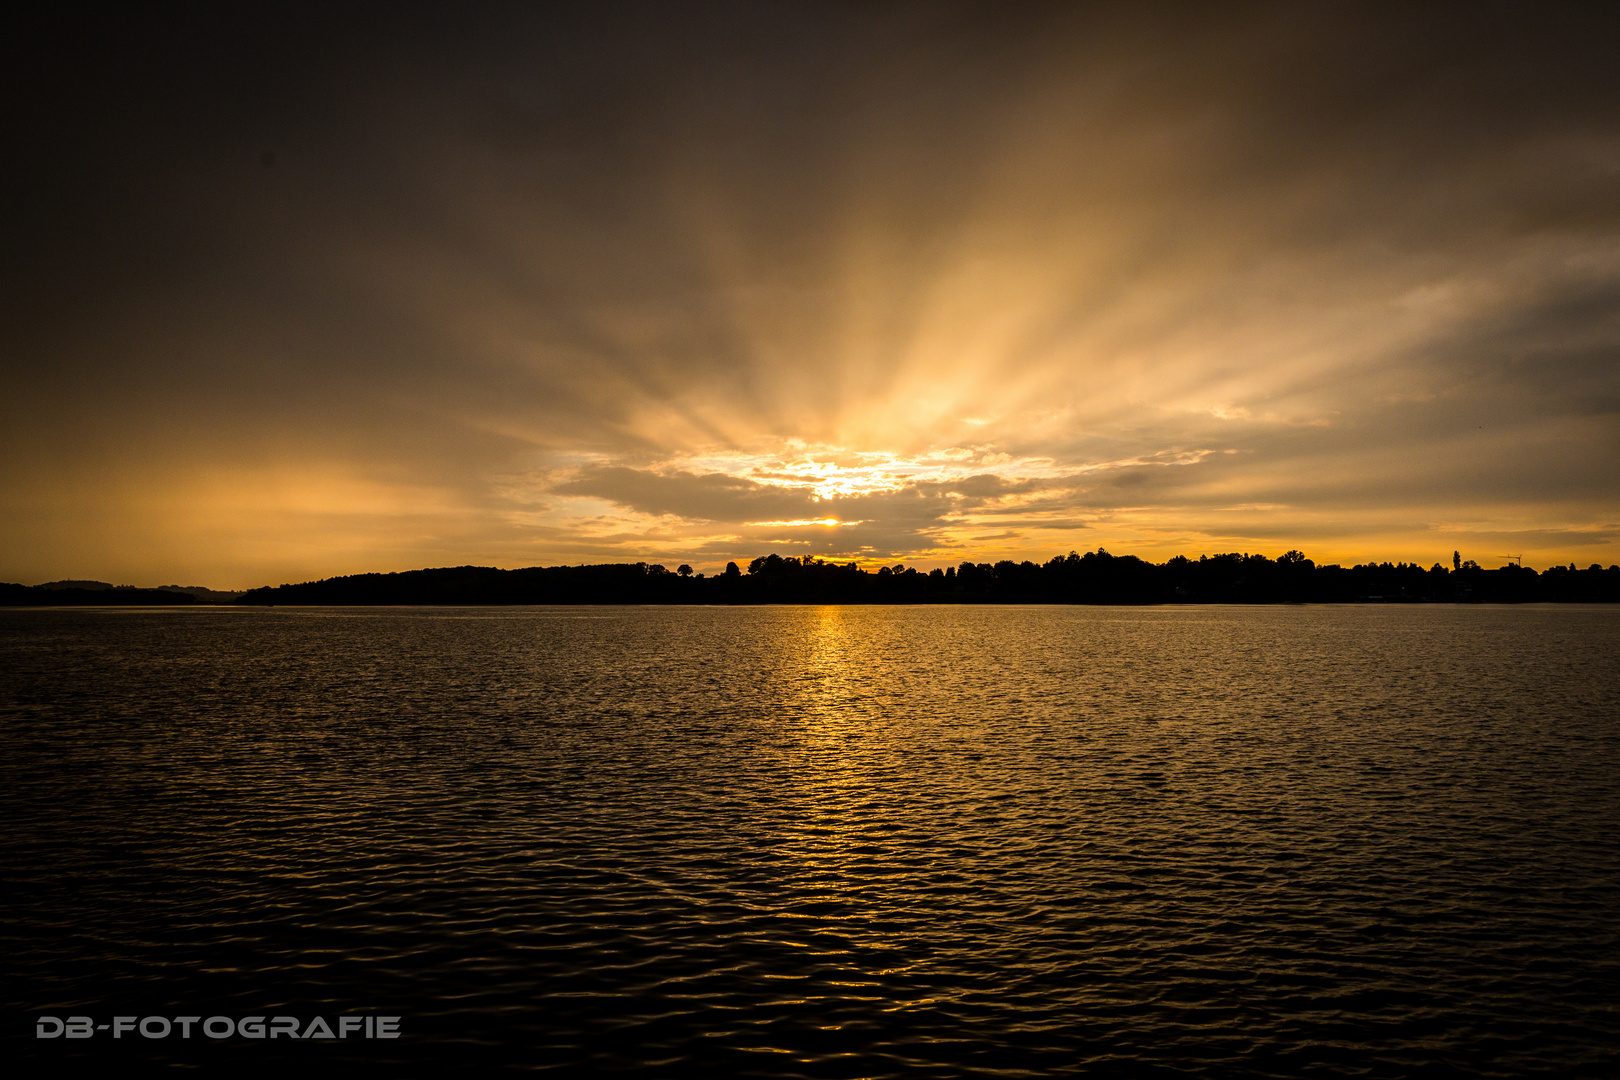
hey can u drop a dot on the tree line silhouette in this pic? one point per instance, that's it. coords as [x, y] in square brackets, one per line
[1096, 577]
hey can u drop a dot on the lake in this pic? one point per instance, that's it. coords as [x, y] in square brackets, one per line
[823, 841]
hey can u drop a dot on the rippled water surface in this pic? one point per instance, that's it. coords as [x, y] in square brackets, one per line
[827, 842]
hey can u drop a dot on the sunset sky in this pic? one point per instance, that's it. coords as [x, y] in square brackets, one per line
[290, 294]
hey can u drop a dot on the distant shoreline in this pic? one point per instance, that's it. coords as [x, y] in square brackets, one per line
[1093, 578]
[42, 596]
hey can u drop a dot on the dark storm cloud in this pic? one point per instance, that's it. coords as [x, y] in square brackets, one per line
[338, 288]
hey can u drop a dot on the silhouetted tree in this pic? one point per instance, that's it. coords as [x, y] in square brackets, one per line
[1093, 578]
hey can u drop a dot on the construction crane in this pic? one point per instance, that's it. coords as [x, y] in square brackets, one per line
[1516, 558]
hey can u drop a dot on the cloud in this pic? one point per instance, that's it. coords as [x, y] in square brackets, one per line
[629, 282]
